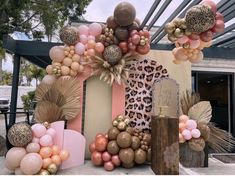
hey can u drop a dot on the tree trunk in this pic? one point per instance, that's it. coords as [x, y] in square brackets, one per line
[1, 70]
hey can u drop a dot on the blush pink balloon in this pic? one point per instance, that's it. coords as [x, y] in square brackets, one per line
[35, 140]
[135, 39]
[116, 160]
[33, 148]
[90, 37]
[219, 26]
[106, 156]
[99, 47]
[38, 130]
[211, 4]
[31, 163]
[83, 30]
[92, 147]
[108, 166]
[46, 141]
[191, 124]
[194, 36]
[194, 44]
[51, 132]
[206, 36]
[79, 48]
[95, 29]
[183, 118]
[195, 133]
[56, 53]
[91, 52]
[186, 134]
[198, 59]
[183, 39]
[182, 126]
[14, 157]
[83, 39]
[219, 16]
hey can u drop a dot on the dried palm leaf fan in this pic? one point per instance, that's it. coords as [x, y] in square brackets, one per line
[112, 73]
[219, 140]
[60, 98]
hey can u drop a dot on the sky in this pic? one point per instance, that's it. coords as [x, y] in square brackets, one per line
[100, 10]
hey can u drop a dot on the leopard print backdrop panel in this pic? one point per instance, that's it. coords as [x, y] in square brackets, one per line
[142, 75]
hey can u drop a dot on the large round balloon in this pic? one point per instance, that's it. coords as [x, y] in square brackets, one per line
[20, 134]
[69, 35]
[112, 54]
[14, 157]
[56, 53]
[124, 14]
[31, 163]
[199, 18]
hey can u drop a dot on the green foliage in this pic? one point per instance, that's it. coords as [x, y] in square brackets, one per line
[28, 100]
[6, 78]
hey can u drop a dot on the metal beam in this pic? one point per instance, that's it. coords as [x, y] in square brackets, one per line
[228, 10]
[227, 29]
[9, 44]
[223, 39]
[14, 90]
[227, 5]
[229, 42]
[229, 16]
[159, 13]
[150, 12]
[221, 4]
[173, 15]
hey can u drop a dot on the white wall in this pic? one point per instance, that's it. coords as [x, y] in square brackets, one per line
[5, 92]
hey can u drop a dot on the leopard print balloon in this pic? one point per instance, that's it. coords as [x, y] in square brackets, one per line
[69, 35]
[112, 54]
[199, 19]
[20, 134]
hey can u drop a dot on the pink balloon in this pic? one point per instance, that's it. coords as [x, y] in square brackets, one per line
[99, 47]
[183, 118]
[31, 163]
[108, 166]
[51, 132]
[206, 36]
[194, 44]
[14, 157]
[135, 39]
[90, 37]
[211, 4]
[83, 29]
[191, 124]
[18, 171]
[116, 160]
[49, 79]
[95, 29]
[56, 53]
[187, 134]
[106, 156]
[35, 140]
[195, 133]
[219, 16]
[33, 148]
[46, 141]
[91, 52]
[79, 48]
[180, 54]
[83, 39]
[183, 39]
[194, 36]
[198, 59]
[219, 26]
[38, 130]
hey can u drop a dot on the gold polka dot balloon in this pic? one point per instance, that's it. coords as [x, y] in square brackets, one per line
[20, 134]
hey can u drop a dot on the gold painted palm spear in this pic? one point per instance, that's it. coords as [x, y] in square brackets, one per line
[58, 101]
[201, 111]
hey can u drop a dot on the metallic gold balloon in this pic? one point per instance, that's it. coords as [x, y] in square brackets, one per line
[122, 126]
[46, 124]
[178, 33]
[170, 28]
[127, 155]
[140, 156]
[52, 168]
[112, 133]
[124, 139]
[43, 172]
[187, 32]
[172, 38]
[135, 142]
[115, 123]
[120, 118]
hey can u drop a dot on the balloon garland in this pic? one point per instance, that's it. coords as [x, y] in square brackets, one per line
[106, 49]
[122, 145]
[194, 32]
[38, 155]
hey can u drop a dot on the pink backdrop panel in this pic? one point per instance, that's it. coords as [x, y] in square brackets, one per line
[75, 143]
[59, 137]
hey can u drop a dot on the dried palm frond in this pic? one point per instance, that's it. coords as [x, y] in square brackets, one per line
[64, 93]
[201, 112]
[220, 140]
[48, 112]
[189, 99]
[108, 73]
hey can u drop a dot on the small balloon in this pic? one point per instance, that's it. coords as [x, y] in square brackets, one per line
[38, 130]
[83, 30]
[79, 48]
[55, 150]
[182, 126]
[191, 124]
[56, 159]
[135, 39]
[194, 44]
[35, 140]
[90, 37]
[195, 133]
[46, 141]
[219, 26]
[180, 54]
[181, 138]
[106, 156]
[99, 47]
[96, 158]
[46, 162]
[51, 132]
[115, 160]
[49, 79]
[92, 147]
[64, 155]
[83, 39]
[187, 134]
[33, 148]
[95, 29]
[45, 152]
[56, 53]
[108, 166]
[183, 39]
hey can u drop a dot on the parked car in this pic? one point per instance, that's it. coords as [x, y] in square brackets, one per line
[4, 104]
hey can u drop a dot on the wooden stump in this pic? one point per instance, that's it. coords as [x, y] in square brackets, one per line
[191, 158]
[165, 146]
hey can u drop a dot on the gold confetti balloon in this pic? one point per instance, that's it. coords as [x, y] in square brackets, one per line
[52, 169]
[112, 54]
[20, 134]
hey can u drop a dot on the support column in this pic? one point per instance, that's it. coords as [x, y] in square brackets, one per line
[14, 90]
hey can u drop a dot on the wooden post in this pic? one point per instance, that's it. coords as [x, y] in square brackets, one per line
[165, 145]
